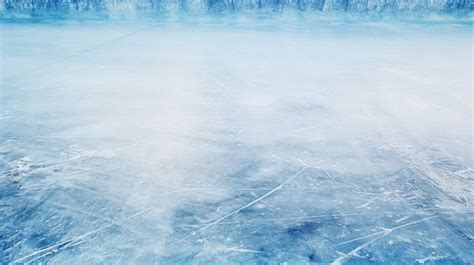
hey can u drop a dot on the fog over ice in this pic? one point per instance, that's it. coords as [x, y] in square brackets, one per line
[236, 141]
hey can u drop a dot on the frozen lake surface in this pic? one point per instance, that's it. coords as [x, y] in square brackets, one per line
[236, 141]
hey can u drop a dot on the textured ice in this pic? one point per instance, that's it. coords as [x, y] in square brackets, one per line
[236, 141]
[239, 5]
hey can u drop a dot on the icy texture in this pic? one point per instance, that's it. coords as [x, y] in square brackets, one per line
[236, 5]
[249, 142]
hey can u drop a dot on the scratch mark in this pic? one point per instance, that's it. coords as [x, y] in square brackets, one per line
[83, 51]
[385, 231]
[71, 242]
[279, 187]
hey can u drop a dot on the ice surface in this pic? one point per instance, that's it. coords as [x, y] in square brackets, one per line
[217, 141]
